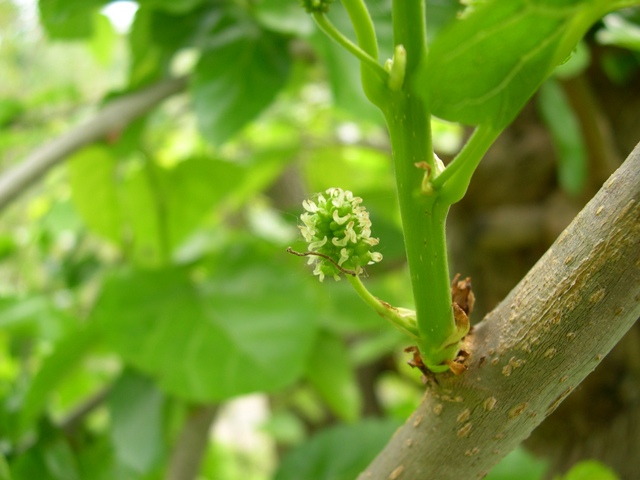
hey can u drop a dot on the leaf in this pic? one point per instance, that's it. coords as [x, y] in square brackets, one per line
[237, 77]
[483, 68]
[439, 14]
[5, 474]
[590, 470]
[68, 19]
[248, 327]
[52, 459]
[164, 205]
[344, 79]
[136, 413]
[338, 453]
[518, 464]
[92, 176]
[567, 137]
[66, 356]
[171, 5]
[156, 36]
[284, 16]
[96, 462]
[156, 207]
[32, 316]
[102, 43]
[10, 110]
[148, 60]
[60, 460]
[330, 371]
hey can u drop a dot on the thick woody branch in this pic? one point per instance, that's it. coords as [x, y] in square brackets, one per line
[536, 347]
[112, 118]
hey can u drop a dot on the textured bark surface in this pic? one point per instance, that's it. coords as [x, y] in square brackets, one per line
[529, 353]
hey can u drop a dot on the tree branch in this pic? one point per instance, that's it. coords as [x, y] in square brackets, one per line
[191, 444]
[113, 117]
[530, 352]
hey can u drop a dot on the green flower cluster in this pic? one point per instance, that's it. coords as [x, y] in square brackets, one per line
[337, 227]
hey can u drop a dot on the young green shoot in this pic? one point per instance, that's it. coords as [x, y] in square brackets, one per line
[426, 189]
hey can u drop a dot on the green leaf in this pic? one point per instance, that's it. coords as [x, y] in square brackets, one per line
[164, 205]
[92, 176]
[156, 36]
[439, 14]
[68, 19]
[30, 315]
[284, 16]
[344, 79]
[518, 464]
[248, 326]
[52, 459]
[5, 474]
[171, 5]
[148, 60]
[96, 461]
[66, 356]
[352, 167]
[237, 77]
[590, 470]
[484, 67]
[157, 207]
[60, 460]
[136, 413]
[102, 43]
[10, 110]
[330, 371]
[567, 137]
[338, 453]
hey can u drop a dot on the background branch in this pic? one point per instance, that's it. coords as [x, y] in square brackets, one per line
[113, 117]
[538, 345]
[191, 444]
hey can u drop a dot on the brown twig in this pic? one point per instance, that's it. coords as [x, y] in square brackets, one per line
[317, 254]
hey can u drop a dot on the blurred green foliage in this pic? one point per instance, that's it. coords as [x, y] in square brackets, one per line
[150, 272]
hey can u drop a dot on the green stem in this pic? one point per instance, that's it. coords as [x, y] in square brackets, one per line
[452, 183]
[423, 215]
[423, 223]
[374, 89]
[410, 30]
[327, 27]
[362, 25]
[405, 324]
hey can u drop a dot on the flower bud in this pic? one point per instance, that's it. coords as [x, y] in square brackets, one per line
[337, 227]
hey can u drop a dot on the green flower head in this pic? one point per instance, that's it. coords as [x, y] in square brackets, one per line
[337, 227]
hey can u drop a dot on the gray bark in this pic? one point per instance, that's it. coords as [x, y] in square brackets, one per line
[536, 347]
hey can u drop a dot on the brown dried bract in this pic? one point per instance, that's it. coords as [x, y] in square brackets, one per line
[458, 366]
[416, 362]
[460, 317]
[462, 295]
